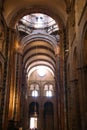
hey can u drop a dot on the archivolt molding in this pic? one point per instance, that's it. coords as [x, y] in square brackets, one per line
[36, 37]
[19, 13]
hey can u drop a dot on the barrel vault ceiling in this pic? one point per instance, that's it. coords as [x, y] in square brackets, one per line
[17, 8]
[14, 10]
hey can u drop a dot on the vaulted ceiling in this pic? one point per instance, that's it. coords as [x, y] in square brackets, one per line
[14, 9]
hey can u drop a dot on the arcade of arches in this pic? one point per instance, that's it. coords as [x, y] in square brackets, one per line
[43, 65]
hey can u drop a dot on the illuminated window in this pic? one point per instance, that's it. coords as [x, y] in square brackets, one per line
[42, 71]
[48, 90]
[34, 90]
[49, 93]
[34, 93]
[38, 20]
[33, 122]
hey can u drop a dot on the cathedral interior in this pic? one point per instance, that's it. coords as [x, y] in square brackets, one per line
[43, 64]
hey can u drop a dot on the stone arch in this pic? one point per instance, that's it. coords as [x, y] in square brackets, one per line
[33, 114]
[32, 108]
[13, 18]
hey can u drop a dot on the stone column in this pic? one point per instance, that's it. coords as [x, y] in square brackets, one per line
[18, 70]
[6, 78]
[15, 69]
[57, 86]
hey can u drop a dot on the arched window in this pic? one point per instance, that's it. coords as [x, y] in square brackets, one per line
[49, 93]
[34, 93]
[34, 90]
[33, 114]
[48, 90]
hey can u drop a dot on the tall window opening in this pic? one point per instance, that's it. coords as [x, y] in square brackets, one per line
[33, 123]
[48, 90]
[33, 114]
